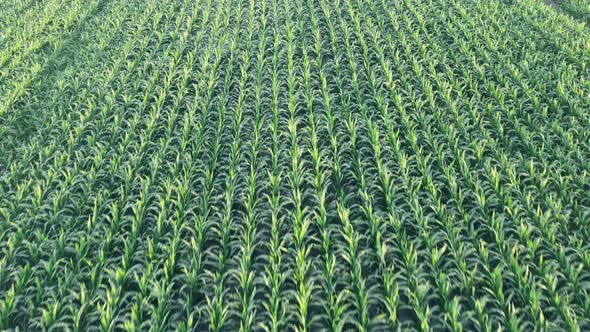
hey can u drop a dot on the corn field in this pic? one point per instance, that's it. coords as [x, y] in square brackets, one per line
[294, 165]
[579, 9]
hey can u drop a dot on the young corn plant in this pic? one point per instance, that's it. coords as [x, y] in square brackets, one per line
[294, 165]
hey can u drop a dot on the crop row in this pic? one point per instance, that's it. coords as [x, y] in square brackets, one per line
[282, 165]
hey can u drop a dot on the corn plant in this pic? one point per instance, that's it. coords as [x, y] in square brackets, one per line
[294, 165]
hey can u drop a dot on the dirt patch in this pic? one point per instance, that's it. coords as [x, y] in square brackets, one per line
[552, 3]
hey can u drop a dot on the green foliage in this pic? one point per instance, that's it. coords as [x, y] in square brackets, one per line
[297, 165]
